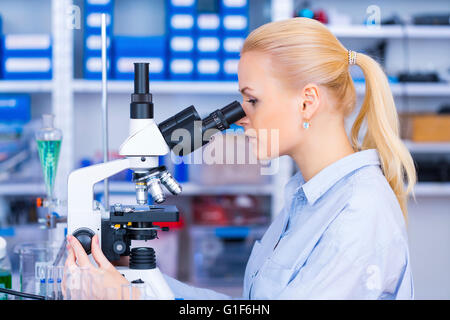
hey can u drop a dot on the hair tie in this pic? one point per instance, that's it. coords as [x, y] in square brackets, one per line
[351, 57]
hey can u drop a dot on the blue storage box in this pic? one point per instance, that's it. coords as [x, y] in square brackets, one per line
[182, 6]
[98, 5]
[93, 45]
[93, 22]
[92, 67]
[235, 24]
[208, 24]
[231, 46]
[181, 47]
[131, 46]
[18, 68]
[234, 6]
[127, 50]
[230, 68]
[124, 67]
[14, 108]
[181, 23]
[181, 68]
[208, 46]
[27, 45]
[92, 63]
[208, 68]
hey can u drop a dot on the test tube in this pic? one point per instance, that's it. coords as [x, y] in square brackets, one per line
[50, 279]
[41, 276]
[59, 274]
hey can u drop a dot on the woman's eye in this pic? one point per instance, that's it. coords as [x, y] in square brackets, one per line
[252, 101]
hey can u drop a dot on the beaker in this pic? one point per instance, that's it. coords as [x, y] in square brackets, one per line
[33, 261]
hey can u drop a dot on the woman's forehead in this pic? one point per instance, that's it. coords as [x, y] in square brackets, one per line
[253, 70]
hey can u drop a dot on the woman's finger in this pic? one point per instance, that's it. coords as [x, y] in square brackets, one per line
[98, 255]
[70, 261]
[81, 256]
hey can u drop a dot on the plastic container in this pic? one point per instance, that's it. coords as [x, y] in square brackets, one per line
[5, 269]
[34, 259]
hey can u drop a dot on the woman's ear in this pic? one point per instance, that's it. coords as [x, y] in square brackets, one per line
[310, 101]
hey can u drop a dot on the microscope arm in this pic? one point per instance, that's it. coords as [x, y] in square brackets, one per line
[81, 211]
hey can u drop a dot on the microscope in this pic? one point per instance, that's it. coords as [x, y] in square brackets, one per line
[118, 225]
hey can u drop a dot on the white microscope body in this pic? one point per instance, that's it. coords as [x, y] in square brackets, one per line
[142, 148]
[118, 225]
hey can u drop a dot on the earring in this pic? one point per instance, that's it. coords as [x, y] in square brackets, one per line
[306, 125]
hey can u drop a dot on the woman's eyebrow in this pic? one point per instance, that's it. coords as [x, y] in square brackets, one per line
[245, 89]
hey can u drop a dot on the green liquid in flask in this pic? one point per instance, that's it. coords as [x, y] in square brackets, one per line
[5, 282]
[49, 155]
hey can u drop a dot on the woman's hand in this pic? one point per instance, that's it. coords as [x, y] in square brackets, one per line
[77, 257]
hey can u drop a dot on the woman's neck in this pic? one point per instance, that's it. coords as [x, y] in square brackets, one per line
[320, 149]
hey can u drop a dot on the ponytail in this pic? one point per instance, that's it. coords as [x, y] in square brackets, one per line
[379, 110]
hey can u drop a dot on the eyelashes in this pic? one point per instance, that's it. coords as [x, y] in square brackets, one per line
[252, 101]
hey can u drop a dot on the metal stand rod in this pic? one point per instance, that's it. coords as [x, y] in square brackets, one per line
[104, 107]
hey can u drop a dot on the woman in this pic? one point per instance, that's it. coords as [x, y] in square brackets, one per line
[342, 232]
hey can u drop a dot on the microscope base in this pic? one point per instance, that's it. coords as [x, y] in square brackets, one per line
[152, 277]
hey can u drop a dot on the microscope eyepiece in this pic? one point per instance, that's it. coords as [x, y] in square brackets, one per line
[141, 106]
[188, 119]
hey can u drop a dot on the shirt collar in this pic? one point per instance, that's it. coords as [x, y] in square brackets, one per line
[329, 176]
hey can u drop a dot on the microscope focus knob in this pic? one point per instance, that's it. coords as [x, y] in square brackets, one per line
[84, 235]
[119, 247]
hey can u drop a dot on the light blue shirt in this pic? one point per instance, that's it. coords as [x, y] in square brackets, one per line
[341, 235]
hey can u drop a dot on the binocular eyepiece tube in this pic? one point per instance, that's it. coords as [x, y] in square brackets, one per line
[189, 120]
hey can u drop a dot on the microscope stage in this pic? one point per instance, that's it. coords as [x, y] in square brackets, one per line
[143, 213]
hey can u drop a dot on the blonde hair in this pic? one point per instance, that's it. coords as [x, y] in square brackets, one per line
[304, 51]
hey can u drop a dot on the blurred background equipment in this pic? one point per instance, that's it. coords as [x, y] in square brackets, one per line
[51, 65]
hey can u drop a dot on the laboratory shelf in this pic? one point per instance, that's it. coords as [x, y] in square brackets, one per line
[193, 189]
[391, 32]
[161, 87]
[429, 89]
[425, 89]
[28, 86]
[428, 32]
[22, 188]
[362, 31]
[433, 147]
[230, 87]
[432, 189]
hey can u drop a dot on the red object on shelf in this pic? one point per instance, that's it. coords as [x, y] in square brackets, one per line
[228, 210]
[320, 15]
[208, 211]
